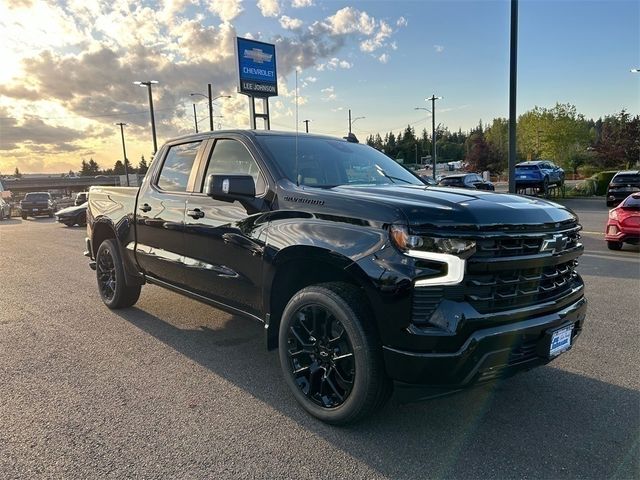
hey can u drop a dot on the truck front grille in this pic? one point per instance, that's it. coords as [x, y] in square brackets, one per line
[519, 287]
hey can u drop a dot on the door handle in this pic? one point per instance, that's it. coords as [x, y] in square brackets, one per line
[145, 208]
[195, 213]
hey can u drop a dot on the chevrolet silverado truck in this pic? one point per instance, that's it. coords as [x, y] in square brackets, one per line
[366, 280]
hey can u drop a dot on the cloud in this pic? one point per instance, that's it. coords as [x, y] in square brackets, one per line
[289, 23]
[329, 94]
[301, 3]
[438, 48]
[334, 64]
[350, 20]
[269, 8]
[384, 58]
[311, 79]
[401, 22]
[36, 134]
[378, 40]
[227, 10]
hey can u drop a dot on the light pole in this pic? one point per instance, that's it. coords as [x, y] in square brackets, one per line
[124, 151]
[434, 151]
[306, 125]
[195, 117]
[635, 70]
[351, 122]
[210, 102]
[513, 83]
[153, 120]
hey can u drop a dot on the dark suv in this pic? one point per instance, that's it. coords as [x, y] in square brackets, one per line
[466, 180]
[622, 185]
[37, 203]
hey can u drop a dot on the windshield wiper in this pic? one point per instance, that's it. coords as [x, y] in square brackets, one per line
[392, 178]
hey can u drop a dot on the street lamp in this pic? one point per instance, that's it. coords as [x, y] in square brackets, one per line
[635, 70]
[306, 125]
[351, 122]
[210, 101]
[124, 151]
[153, 120]
[434, 152]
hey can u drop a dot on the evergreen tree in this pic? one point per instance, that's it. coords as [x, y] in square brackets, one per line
[17, 173]
[142, 166]
[118, 168]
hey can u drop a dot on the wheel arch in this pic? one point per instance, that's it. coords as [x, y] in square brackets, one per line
[297, 267]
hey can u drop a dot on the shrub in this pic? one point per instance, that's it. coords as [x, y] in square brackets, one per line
[603, 179]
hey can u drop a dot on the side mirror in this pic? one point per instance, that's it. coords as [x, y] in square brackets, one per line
[229, 188]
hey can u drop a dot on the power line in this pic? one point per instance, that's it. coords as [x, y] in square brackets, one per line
[142, 112]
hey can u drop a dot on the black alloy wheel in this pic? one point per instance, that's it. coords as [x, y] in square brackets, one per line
[106, 272]
[321, 356]
[110, 274]
[330, 353]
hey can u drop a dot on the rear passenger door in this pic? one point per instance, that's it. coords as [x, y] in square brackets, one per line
[161, 210]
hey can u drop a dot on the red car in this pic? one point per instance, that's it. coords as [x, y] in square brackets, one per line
[623, 225]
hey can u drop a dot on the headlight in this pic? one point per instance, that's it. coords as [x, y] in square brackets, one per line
[613, 214]
[452, 246]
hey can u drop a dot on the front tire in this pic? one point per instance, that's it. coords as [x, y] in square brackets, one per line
[330, 354]
[115, 293]
[614, 245]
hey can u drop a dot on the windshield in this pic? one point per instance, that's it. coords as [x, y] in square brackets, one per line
[325, 162]
[452, 181]
[36, 197]
[632, 202]
[627, 179]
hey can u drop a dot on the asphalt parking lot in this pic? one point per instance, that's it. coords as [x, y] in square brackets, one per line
[175, 389]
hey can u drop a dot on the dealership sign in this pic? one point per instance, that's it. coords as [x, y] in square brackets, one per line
[256, 68]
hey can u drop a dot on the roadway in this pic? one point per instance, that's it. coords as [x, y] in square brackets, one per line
[175, 389]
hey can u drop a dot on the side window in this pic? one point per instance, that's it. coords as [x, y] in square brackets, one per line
[232, 157]
[176, 169]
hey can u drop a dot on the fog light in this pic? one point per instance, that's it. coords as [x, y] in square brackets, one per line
[613, 229]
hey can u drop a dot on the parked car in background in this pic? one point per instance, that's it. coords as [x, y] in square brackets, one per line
[428, 180]
[623, 225]
[538, 174]
[70, 216]
[5, 209]
[81, 198]
[621, 185]
[37, 203]
[466, 180]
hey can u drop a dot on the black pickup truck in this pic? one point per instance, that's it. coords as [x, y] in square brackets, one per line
[364, 278]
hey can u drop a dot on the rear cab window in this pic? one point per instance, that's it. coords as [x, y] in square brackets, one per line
[177, 167]
[627, 179]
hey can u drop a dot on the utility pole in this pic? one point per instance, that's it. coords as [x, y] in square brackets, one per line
[433, 99]
[210, 107]
[153, 120]
[306, 125]
[349, 120]
[124, 151]
[513, 83]
[195, 117]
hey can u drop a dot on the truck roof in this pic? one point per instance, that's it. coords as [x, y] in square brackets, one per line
[252, 133]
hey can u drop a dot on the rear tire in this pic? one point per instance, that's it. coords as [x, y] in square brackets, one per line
[330, 354]
[24, 217]
[115, 293]
[614, 245]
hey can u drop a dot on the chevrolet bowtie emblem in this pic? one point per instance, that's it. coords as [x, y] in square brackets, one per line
[556, 244]
[257, 55]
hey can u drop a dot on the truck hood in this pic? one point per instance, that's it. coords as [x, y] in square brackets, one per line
[440, 207]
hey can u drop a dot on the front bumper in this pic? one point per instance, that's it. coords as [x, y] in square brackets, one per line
[487, 354]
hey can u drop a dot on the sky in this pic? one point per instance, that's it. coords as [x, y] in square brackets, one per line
[69, 67]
